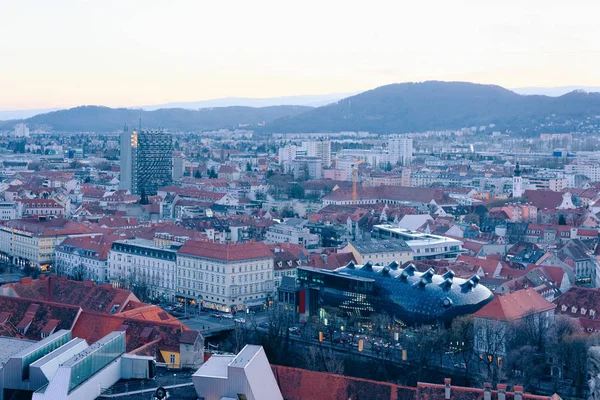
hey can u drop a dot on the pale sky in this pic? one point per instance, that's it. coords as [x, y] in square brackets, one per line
[63, 53]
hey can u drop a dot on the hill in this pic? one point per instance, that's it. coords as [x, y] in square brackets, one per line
[105, 119]
[434, 105]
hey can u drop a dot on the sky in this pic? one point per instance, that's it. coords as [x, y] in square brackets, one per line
[64, 53]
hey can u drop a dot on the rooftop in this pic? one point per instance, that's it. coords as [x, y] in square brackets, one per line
[226, 252]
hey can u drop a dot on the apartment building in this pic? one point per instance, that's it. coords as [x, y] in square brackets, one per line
[83, 258]
[293, 230]
[141, 262]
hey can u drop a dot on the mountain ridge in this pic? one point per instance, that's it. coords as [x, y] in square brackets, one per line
[436, 105]
[106, 119]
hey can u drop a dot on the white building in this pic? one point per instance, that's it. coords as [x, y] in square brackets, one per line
[287, 154]
[400, 151]
[139, 261]
[307, 167]
[83, 258]
[21, 131]
[10, 210]
[247, 376]
[320, 149]
[424, 246]
[225, 276]
[293, 231]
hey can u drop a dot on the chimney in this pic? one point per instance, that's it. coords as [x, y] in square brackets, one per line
[487, 391]
[447, 382]
[501, 391]
[518, 392]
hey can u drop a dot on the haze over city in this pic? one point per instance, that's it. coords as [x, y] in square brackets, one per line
[134, 53]
[317, 200]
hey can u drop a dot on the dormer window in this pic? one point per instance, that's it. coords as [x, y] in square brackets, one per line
[574, 310]
[583, 311]
[592, 313]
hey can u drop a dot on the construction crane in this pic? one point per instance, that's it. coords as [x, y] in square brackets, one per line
[354, 177]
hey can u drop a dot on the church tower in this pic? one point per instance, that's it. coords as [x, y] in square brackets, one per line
[517, 183]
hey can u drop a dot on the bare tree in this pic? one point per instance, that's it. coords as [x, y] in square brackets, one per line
[462, 337]
[490, 343]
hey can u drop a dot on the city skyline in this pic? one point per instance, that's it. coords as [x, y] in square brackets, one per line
[73, 53]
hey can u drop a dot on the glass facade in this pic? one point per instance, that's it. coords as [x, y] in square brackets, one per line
[42, 348]
[99, 355]
[411, 297]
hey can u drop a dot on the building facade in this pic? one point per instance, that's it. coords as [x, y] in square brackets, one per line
[401, 151]
[140, 262]
[225, 277]
[146, 161]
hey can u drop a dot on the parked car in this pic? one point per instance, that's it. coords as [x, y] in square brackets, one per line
[240, 320]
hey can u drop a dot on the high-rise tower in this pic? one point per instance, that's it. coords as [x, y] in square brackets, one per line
[146, 160]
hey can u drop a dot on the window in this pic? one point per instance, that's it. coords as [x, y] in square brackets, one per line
[172, 358]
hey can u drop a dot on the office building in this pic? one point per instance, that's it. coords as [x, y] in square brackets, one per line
[146, 161]
[287, 154]
[307, 168]
[424, 246]
[178, 165]
[21, 131]
[320, 149]
[401, 151]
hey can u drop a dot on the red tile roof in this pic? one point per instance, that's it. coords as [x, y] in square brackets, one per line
[86, 295]
[544, 198]
[99, 245]
[301, 384]
[513, 306]
[578, 297]
[36, 314]
[48, 227]
[226, 252]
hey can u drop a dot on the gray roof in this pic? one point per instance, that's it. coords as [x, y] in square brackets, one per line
[380, 246]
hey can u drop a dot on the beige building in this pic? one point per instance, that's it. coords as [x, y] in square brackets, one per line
[31, 241]
[225, 276]
[379, 252]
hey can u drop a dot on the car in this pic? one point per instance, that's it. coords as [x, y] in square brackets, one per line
[228, 316]
[240, 320]
[263, 324]
[215, 315]
[460, 365]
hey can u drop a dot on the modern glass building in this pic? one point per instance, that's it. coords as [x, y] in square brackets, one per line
[96, 357]
[409, 296]
[146, 160]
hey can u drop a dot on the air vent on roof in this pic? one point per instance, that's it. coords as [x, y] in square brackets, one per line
[393, 265]
[368, 265]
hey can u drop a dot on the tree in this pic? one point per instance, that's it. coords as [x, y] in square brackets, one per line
[296, 191]
[197, 174]
[248, 167]
[490, 343]
[269, 174]
[562, 220]
[287, 212]
[212, 174]
[260, 195]
[388, 167]
[144, 198]
[462, 338]
[424, 343]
